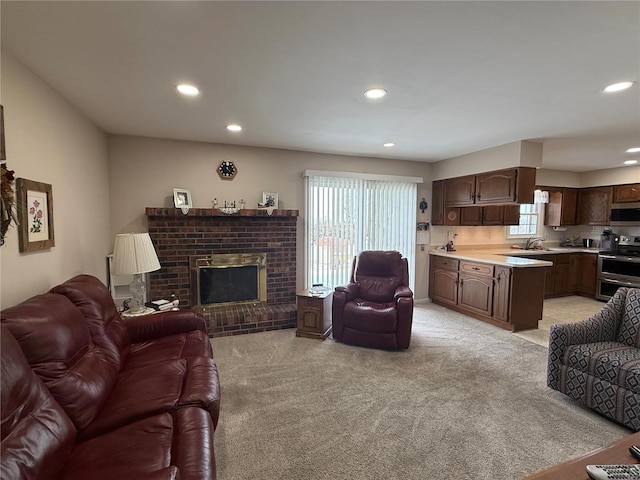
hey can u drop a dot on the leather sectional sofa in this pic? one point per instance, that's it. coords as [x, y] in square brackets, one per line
[597, 361]
[85, 394]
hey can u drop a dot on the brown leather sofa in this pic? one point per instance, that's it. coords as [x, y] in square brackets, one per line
[86, 395]
[375, 309]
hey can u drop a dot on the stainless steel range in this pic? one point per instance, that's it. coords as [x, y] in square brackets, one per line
[619, 267]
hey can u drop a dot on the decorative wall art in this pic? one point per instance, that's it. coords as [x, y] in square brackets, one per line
[35, 214]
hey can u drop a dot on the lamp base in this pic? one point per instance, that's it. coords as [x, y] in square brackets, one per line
[137, 288]
[145, 311]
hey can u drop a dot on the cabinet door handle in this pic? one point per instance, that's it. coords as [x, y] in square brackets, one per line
[475, 268]
[478, 196]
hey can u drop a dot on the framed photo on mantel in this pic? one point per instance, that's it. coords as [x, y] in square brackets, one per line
[35, 214]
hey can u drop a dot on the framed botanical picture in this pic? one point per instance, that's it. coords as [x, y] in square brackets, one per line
[182, 198]
[35, 214]
[270, 199]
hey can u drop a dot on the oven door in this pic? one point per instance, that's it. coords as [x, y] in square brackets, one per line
[616, 271]
[607, 286]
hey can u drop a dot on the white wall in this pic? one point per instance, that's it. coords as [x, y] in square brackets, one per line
[49, 141]
[144, 171]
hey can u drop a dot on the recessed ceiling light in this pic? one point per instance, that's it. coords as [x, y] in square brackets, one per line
[188, 89]
[389, 144]
[633, 150]
[375, 93]
[234, 128]
[630, 162]
[617, 87]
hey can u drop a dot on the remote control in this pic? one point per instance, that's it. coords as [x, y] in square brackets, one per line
[611, 472]
[635, 451]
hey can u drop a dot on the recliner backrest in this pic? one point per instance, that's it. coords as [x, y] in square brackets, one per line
[37, 435]
[379, 273]
[629, 331]
[55, 339]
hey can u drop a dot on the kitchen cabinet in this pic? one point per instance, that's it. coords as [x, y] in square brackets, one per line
[561, 267]
[588, 274]
[499, 187]
[471, 216]
[443, 280]
[594, 205]
[575, 259]
[501, 215]
[475, 284]
[437, 202]
[626, 193]
[561, 209]
[510, 298]
[501, 293]
[460, 191]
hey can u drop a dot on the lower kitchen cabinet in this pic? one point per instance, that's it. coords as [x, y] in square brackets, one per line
[508, 297]
[571, 274]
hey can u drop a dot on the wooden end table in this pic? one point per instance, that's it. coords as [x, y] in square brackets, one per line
[615, 454]
[314, 314]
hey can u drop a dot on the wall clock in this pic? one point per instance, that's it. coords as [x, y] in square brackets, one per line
[227, 170]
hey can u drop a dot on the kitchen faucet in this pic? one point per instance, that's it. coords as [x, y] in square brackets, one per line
[532, 241]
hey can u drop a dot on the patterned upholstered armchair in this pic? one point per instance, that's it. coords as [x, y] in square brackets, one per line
[375, 309]
[597, 361]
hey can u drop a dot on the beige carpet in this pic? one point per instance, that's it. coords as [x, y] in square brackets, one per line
[466, 401]
[560, 310]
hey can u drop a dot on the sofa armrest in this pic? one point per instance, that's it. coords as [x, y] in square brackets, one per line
[147, 327]
[601, 327]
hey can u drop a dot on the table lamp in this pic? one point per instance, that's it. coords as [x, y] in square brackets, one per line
[133, 254]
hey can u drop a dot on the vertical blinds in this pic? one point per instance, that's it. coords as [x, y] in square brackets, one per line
[345, 215]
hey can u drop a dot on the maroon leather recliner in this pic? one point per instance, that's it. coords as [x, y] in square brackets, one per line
[375, 309]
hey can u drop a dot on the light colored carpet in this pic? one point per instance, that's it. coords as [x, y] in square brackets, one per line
[560, 310]
[466, 401]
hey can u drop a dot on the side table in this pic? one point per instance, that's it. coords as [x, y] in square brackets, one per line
[314, 314]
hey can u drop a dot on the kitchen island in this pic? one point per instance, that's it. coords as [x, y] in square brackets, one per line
[490, 285]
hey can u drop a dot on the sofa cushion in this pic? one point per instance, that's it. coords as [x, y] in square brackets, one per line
[158, 388]
[55, 338]
[182, 345]
[616, 363]
[629, 332]
[37, 436]
[148, 449]
[370, 317]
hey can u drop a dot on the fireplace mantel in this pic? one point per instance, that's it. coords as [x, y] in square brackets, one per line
[216, 212]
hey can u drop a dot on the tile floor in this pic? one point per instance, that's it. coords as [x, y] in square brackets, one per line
[560, 310]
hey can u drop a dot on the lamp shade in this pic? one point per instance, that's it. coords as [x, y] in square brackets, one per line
[134, 253]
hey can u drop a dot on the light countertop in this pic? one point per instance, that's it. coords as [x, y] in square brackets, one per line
[509, 257]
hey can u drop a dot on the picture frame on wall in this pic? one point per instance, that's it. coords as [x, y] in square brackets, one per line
[35, 214]
[270, 199]
[182, 198]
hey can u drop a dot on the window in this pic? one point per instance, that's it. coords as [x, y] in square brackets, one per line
[530, 221]
[348, 213]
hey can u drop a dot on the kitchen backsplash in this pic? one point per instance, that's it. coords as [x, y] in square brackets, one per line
[498, 235]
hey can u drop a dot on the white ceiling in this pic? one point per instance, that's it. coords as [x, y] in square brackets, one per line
[461, 76]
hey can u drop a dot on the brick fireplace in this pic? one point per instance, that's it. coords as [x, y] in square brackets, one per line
[204, 231]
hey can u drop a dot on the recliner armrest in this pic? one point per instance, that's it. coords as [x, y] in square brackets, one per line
[351, 290]
[402, 291]
[147, 327]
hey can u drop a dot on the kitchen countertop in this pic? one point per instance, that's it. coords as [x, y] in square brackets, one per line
[510, 257]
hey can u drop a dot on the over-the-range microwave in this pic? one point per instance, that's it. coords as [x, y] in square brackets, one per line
[625, 214]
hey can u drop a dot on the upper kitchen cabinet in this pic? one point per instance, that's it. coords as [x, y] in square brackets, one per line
[437, 202]
[501, 187]
[460, 191]
[561, 209]
[626, 193]
[594, 205]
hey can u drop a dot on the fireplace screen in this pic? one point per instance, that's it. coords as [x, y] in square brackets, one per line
[228, 278]
[228, 284]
